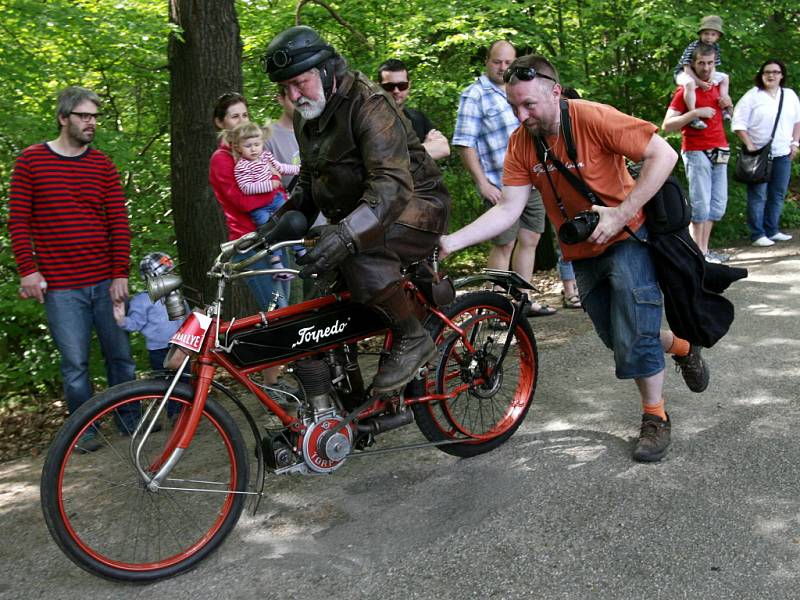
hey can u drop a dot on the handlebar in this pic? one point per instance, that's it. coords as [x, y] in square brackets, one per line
[292, 224]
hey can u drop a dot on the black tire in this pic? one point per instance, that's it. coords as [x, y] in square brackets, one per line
[486, 412]
[101, 514]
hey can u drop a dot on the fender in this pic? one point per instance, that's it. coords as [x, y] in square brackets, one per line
[260, 471]
[511, 281]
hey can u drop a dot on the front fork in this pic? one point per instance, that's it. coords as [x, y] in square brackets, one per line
[175, 450]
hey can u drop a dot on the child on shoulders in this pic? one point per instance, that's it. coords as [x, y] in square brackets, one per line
[709, 33]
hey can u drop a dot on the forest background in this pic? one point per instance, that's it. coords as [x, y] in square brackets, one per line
[141, 56]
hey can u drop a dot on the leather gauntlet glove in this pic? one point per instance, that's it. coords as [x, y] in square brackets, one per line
[333, 247]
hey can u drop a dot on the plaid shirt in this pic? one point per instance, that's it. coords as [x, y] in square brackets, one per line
[485, 122]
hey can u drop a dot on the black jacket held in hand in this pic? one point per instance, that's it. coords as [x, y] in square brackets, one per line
[692, 302]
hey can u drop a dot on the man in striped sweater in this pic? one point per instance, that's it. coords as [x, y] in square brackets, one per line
[70, 236]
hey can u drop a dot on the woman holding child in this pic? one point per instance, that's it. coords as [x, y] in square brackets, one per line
[231, 111]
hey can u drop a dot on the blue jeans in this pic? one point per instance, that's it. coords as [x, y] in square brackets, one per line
[708, 186]
[765, 200]
[620, 293]
[263, 286]
[565, 270]
[263, 214]
[71, 316]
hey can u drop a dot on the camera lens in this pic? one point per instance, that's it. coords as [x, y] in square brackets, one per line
[578, 229]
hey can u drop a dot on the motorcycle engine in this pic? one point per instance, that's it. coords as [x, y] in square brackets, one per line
[322, 449]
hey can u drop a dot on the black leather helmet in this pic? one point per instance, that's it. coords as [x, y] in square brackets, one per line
[294, 51]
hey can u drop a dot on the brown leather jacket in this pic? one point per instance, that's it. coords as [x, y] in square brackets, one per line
[362, 150]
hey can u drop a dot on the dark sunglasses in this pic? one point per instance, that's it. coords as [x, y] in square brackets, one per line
[524, 74]
[391, 86]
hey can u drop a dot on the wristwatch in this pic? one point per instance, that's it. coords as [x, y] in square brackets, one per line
[795, 144]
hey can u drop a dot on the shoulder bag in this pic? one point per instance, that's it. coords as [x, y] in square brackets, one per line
[756, 166]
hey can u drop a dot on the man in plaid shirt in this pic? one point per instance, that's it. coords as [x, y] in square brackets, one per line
[484, 123]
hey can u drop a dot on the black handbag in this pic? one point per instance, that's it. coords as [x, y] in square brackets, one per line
[753, 167]
[756, 166]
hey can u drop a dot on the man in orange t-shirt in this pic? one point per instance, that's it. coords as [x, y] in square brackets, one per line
[615, 274]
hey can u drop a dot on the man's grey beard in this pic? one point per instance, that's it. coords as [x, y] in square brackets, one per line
[309, 109]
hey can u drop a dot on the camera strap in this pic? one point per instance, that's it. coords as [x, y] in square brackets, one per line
[544, 154]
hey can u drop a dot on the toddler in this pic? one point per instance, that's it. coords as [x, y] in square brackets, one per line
[710, 32]
[258, 172]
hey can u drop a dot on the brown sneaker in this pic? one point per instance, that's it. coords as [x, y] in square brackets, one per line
[694, 369]
[654, 438]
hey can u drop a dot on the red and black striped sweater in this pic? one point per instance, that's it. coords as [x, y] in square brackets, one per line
[67, 218]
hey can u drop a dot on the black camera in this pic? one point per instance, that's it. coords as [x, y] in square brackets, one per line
[578, 228]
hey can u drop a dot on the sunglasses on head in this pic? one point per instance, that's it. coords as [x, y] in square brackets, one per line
[392, 86]
[524, 74]
[228, 96]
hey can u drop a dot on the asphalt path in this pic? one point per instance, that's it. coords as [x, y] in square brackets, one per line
[560, 511]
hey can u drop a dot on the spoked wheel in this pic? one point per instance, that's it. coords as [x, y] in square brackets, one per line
[490, 399]
[98, 507]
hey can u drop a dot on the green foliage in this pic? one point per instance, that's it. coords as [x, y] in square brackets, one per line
[621, 53]
[119, 50]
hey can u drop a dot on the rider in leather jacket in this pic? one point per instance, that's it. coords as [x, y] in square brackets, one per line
[364, 168]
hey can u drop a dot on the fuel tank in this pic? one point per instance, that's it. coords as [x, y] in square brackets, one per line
[329, 325]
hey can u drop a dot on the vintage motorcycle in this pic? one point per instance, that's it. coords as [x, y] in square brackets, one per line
[155, 503]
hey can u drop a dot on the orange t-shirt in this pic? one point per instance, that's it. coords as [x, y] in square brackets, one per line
[603, 136]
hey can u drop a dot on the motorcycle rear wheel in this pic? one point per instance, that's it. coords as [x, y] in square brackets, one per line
[98, 508]
[488, 411]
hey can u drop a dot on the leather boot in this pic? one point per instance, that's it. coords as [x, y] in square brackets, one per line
[412, 347]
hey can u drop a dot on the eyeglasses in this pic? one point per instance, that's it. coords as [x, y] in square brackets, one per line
[771, 72]
[392, 86]
[86, 117]
[524, 74]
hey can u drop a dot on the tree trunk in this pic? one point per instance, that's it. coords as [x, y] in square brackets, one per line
[205, 61]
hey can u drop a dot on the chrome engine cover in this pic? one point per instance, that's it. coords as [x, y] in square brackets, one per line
[322, 452]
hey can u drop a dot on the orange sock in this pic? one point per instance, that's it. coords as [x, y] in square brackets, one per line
[679, 347]
[655, 409]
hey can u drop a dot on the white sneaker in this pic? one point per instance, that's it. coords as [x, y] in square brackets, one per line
[718, 257]
[780, 237]
[763, 241]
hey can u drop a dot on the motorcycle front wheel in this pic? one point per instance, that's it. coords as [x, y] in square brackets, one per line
[98, 507]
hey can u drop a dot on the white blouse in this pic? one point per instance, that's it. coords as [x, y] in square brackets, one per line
[755, 113]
